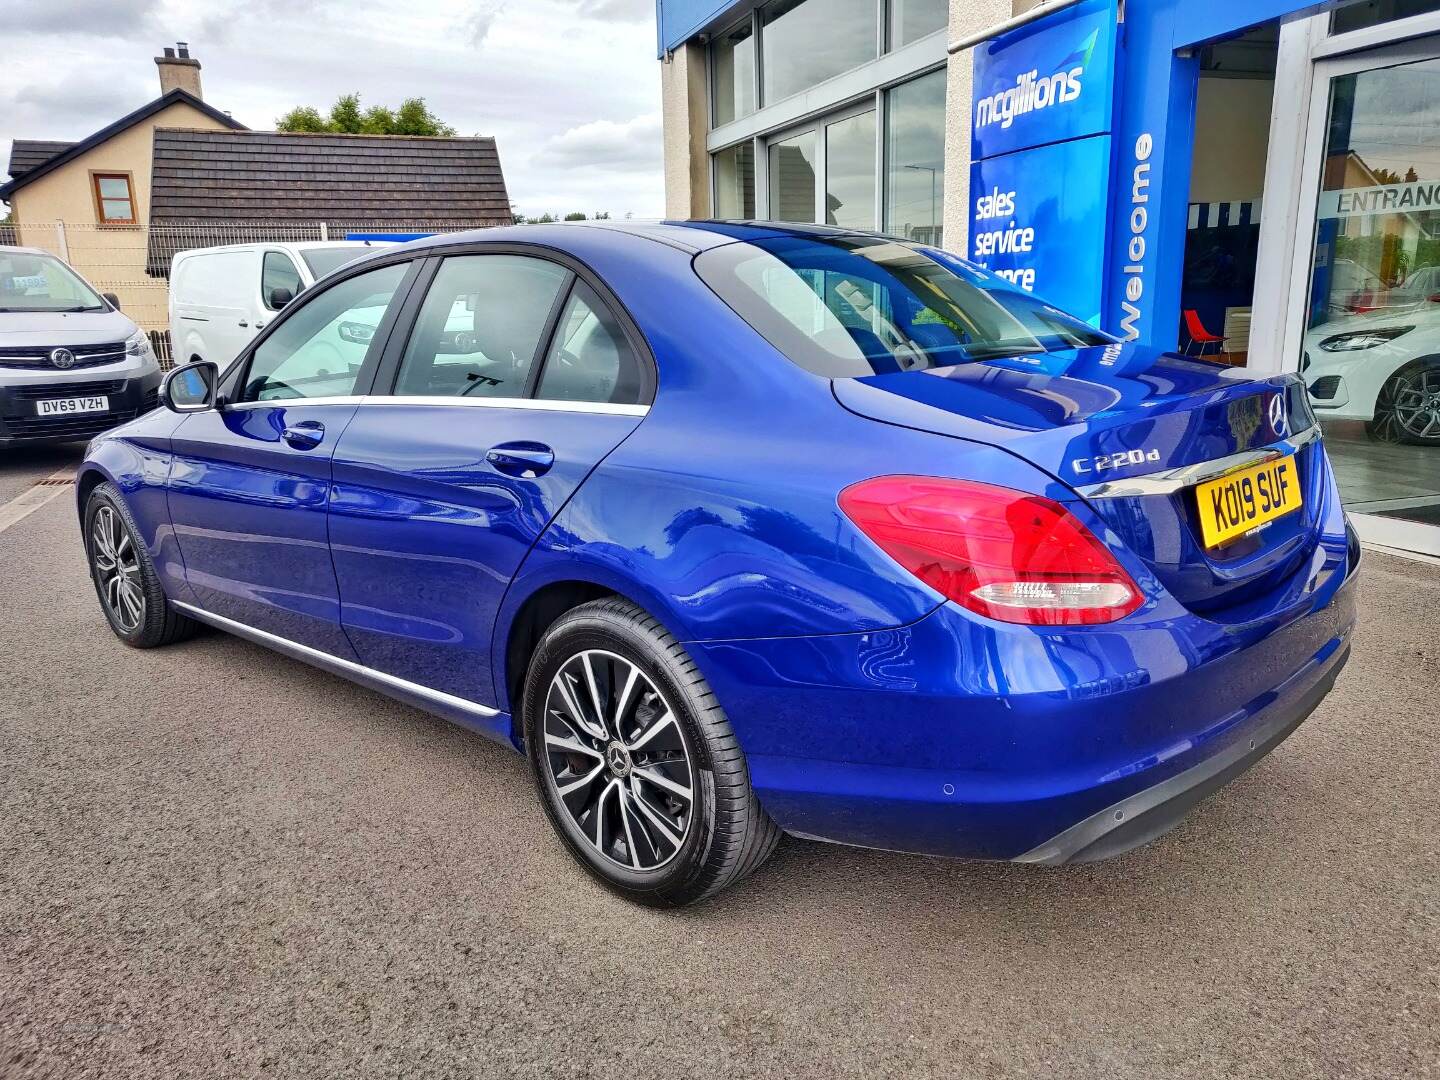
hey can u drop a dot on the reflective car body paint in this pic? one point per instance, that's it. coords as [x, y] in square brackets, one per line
[870, 709]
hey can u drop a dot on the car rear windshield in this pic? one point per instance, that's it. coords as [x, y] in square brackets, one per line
[30, 282]
[322, 260]
[850, 306]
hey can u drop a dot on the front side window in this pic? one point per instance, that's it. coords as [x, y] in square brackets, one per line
[277, 271]
[480, 327]
[847, 307]
[114, 200]
[320, 349]
[805, 42]
[590, 359]
[43, 283]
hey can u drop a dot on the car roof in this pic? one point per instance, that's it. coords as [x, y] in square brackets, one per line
[692, 236]
[12, 250]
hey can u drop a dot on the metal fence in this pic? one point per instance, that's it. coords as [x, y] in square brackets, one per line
[133, 261]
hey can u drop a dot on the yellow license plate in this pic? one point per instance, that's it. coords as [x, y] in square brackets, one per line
[1234, 505]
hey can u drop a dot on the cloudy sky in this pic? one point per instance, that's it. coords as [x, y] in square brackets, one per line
[569, 88]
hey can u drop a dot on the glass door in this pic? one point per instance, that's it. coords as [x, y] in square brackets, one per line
[1371, 344]
[828, 173]
[792, 177]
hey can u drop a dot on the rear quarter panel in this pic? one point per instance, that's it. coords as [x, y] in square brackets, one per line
[719, 514]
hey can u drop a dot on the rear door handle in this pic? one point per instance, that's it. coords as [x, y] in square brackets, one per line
[305, 435]
[242, 322]
[525, 460]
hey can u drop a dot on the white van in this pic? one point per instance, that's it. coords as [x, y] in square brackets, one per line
[221, 297]
[71, 364]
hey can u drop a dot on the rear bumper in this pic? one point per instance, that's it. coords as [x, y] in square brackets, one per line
[130, 395]
[955, 738]
[1156, 810]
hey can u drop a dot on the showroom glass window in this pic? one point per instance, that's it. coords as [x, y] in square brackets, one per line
[733, 64]
[915, 159]
[1374, 12]
[805, 42]
[910, 20]
[735, 181]
[792, 178]
[850, 171]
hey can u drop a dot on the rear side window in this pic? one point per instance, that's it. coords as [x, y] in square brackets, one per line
[848, 306]
[481, 324]
[590, 358]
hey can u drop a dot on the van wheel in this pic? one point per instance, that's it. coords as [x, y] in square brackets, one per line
[1408, 408]
[636, 764]
[124, 575]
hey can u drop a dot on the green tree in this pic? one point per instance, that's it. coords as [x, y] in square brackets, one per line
[346, 117]
[576, 216]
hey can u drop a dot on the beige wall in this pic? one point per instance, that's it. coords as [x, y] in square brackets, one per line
[1232, 135]
[111, 257]
[685, 121]
[966, 17]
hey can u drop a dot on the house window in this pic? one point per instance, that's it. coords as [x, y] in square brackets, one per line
[114, 199]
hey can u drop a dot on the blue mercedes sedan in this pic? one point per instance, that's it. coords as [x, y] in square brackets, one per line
[739, 529]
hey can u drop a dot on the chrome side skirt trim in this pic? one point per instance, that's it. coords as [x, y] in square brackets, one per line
[376, 680]
[1173, 480]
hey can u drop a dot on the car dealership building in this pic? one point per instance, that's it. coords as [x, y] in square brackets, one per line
[1256, 180]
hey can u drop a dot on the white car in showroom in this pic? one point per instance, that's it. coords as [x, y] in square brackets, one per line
[1382, 367]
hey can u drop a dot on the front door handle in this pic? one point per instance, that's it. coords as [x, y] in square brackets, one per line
[525, 460]
[242, 322]
[306, 435]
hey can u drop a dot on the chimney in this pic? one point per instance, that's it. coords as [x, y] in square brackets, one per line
[179, 70]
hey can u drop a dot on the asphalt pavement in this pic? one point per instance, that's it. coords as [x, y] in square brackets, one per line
[215, 861]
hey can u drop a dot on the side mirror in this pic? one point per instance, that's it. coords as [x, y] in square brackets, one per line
[112, 300]
[191, 388]
[280, 297]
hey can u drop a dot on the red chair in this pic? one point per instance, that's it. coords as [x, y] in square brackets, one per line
[1199, 336]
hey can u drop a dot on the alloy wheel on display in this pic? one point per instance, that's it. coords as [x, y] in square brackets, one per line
[117, 565]
[618, 760]
[1415, 404]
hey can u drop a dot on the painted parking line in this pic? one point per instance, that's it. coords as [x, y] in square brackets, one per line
[27, 502]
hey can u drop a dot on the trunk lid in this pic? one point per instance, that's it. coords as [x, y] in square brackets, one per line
[1111, 413]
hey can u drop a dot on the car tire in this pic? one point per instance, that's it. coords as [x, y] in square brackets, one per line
[124, 576]
[1400, 421]
[661, 733]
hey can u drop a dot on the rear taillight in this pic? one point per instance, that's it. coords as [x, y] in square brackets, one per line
[1005, 554]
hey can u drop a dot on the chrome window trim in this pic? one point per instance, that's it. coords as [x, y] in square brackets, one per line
[378, 680]
[603, 408]
[1172, 480]
[541, 404]
[281, 403]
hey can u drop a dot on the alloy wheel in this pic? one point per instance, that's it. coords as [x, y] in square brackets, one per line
[1415, 404]
[618, 760]
[117, 566]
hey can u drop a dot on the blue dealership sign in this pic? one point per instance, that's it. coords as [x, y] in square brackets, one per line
[1048, 81]
[1039, 218]
[1044, 106]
